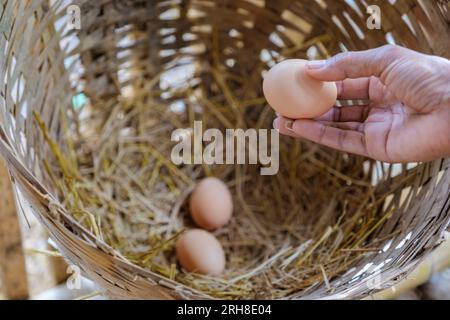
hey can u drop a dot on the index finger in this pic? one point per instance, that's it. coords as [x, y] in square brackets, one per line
[358, 64]
[351, 89]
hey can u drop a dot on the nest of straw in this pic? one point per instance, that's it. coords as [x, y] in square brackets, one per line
[327, 222]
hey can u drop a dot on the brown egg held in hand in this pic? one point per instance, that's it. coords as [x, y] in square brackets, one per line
[200, 252]
[294, 94]
[211, 204]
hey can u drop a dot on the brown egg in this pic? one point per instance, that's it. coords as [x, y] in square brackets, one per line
[200, 252]
[211, 204]
[296, 95]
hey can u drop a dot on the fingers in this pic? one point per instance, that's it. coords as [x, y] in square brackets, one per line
[319, 132]
[346, 114]
[284, 126]
[361, 64]
[351, 89]
[352, 126]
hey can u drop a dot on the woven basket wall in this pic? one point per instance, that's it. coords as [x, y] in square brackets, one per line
[45, 65]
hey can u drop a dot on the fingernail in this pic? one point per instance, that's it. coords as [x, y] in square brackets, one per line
[275, 123]
[316, 64]
[289, 124]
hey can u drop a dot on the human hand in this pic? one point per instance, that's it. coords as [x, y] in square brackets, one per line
[407, 114]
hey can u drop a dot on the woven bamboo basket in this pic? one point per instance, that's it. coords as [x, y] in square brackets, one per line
[88, 107]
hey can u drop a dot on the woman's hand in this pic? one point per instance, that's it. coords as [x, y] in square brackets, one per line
[406, 115]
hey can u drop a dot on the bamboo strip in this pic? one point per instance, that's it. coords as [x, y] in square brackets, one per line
[434, 263]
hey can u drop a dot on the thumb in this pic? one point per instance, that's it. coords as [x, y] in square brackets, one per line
[359, 64]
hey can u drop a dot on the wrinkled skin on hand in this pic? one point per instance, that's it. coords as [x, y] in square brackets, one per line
[406, 117]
